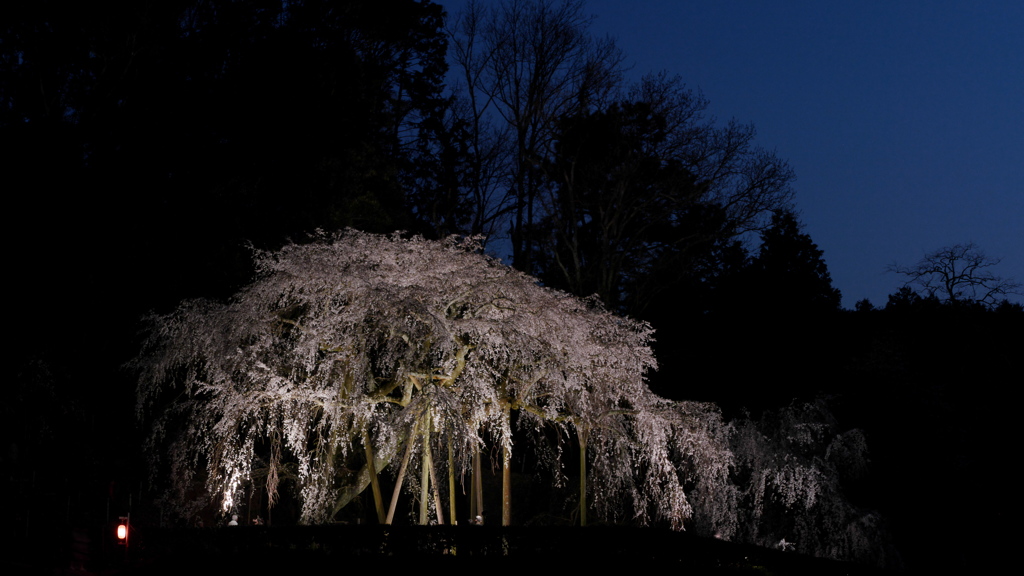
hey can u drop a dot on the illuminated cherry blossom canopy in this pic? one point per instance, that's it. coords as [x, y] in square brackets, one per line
[357, 338]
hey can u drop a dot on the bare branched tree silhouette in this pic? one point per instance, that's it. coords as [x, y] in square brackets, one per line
[959, 273]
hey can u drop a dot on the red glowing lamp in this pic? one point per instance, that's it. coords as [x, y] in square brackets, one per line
[122, 531]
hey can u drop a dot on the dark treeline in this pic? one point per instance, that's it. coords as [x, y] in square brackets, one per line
[146, 148]
[172, 133]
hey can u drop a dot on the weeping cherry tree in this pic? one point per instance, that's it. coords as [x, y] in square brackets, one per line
[400, 353]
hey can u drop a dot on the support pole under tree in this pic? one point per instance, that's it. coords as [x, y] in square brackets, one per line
[425, 480]
[428, 478]
[476, 492]
[478, 479]
[400, 478]
[451, 483]
[378, 498]
[436, 491]
[583, 475]
[506, 485]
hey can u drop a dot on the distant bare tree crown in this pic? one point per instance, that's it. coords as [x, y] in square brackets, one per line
[959, 273]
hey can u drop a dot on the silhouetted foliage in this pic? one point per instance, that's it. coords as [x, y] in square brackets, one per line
[615, 213]
[522, 64]
[864, 305]
[533, 83]
[928, 380]
[640, 206]
[196, 127]
[789, 274]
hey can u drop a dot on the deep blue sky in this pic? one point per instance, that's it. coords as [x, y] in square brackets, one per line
[904, 121]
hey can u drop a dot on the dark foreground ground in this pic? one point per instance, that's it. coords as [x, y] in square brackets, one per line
[328, 549]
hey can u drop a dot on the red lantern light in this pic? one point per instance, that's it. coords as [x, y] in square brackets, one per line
[122, 531]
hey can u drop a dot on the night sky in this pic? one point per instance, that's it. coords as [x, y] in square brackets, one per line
[904, 121]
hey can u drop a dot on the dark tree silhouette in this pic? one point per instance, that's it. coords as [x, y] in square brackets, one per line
[959, 274]
[789, 272]
[523, 64]
[191, 128]
[527, 67]
[645, 194]
[616, 208]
